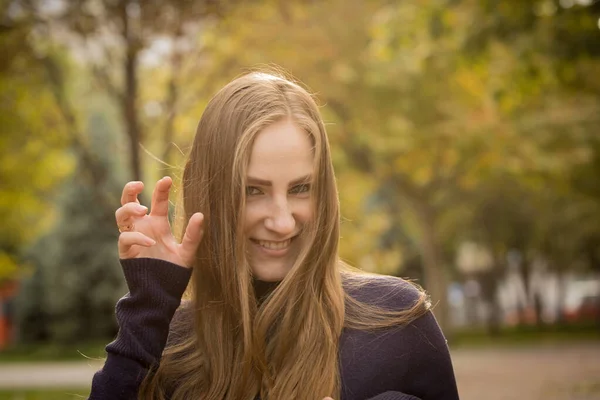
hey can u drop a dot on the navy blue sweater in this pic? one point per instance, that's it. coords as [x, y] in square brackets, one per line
[405, 363]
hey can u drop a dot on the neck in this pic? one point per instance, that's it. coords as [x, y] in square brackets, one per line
[263, 289]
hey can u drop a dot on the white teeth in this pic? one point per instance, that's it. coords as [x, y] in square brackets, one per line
[274, 245]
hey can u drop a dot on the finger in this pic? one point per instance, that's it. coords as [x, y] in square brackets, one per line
[124, 215]
[160, 197]
[128, 239]
[192, 238]
[131, 191]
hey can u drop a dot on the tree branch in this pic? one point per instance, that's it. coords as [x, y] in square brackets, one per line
[95, 171]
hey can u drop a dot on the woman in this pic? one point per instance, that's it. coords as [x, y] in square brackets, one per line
[272, 311]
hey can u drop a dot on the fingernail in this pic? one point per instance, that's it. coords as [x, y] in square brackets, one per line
[143, 209]
[151, 242]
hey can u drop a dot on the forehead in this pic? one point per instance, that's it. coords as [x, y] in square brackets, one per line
[281, 150]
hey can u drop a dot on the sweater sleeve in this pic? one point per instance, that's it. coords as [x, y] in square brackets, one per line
[144, 315]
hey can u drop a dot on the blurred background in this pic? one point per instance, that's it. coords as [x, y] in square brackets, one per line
[465, 136]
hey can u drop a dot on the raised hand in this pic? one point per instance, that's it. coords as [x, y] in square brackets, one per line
[150, 235]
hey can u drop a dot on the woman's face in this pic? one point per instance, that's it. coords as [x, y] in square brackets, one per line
[278, 200]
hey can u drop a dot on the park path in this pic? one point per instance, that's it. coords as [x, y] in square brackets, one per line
[561, 372]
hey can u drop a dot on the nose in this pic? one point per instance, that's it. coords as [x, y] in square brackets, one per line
[281, 219]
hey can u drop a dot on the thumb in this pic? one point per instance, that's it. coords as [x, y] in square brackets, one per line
[191, 239]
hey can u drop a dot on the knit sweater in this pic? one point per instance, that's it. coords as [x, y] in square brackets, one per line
[404, 363]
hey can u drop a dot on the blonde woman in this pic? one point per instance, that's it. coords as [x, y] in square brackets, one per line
[271, 312]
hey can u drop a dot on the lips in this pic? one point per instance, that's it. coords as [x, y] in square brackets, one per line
[273, 246]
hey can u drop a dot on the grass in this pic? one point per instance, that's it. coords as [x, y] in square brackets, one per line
[53, 352]
[50, 394]
[526, 336]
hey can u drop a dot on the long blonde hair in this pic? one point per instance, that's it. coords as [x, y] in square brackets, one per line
[286, 347]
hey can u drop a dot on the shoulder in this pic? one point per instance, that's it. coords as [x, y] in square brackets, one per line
[384, 291]
[403, 346]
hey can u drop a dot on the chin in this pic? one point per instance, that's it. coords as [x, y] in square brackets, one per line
[270, 273]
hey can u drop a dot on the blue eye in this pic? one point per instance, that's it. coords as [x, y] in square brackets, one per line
[304, 188]
[252, 191]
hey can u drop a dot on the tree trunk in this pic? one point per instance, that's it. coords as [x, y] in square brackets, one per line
[597, 307]
[495, 317]
[173, 93]
[525, 310]
[172, 97]
[562, 295]
[130, 94]
[436, 280]
[489, 291]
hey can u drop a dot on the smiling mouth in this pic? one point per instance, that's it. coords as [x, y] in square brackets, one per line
[274, 245]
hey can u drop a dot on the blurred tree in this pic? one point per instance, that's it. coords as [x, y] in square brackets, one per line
[558, 45]
[584, 182]
[77, 279]
[34, 156]
[503, 219]
[114, 37]
[73, 278]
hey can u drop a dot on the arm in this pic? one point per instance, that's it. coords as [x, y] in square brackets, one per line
[144, 315]
[157, 269]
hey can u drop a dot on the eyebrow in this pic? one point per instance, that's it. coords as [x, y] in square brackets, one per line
[262, 182]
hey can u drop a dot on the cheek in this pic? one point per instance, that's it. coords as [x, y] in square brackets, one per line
[304, 212]
[252, 216]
